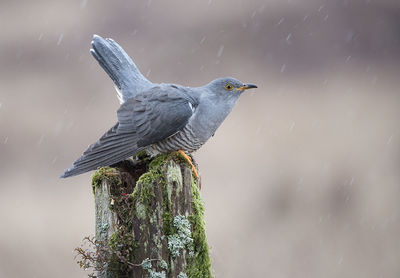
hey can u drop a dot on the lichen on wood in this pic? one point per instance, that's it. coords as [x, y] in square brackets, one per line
[154, 225]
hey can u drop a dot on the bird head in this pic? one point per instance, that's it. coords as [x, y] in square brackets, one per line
[228, 86]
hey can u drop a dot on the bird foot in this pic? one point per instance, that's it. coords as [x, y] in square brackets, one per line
[189, 160]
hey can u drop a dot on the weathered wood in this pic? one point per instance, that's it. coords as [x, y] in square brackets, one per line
[149, 215]
[106, 219]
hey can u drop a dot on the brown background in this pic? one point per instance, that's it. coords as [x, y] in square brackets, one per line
[302, 179]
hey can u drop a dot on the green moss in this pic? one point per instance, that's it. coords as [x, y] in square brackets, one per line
[153, 217]
[168, 228]
[146, 193]
[158, 161]
[142, 195]
[147, 179]
[114, 240]
[105, 173]
[144, 189]
[142, 155]
[199, 265]
[121, 239]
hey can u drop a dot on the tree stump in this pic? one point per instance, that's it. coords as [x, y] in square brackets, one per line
[149, 220]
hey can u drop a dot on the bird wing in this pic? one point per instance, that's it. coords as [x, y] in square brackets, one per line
[142, 120]
[156, 114]
[120, 67]
[111, 148]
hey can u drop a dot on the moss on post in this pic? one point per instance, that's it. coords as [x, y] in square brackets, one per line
[149, 217]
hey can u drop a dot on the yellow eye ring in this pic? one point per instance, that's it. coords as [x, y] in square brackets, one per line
[228, 87]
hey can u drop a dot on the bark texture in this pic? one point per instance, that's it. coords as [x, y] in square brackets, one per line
[149, 215]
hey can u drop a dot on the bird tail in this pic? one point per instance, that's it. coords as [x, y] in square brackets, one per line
[119, 66]
[111, 148]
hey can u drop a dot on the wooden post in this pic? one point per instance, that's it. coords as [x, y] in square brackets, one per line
[149, 220]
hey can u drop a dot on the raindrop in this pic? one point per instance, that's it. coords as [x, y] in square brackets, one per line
[320, 8]
[54, 160]
[148, 73]
[40, 36]
[220, 50]
[305, 17]
[292, 126]
[326, 17]
[253, 14]
[288, 38]
[283, 68]
[1, 104]
[5, 140]
[60, 38]
[280, 21]
[40, 141]
[389, 140]
[348, 58]
[203, 39]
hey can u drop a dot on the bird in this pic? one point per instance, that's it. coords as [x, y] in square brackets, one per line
[158, 118]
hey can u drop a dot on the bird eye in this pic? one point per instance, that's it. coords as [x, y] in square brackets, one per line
[228, 87]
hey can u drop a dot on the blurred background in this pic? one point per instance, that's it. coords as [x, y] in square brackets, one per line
[301, 180]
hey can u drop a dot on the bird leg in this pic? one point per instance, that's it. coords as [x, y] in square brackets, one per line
[189, 160]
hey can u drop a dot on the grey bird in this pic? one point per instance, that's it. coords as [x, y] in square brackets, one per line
[158, 118]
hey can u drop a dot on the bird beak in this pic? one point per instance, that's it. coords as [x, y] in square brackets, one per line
[249, 86]
[246, 86]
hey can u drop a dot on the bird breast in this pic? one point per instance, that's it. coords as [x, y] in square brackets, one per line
[185, 140]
